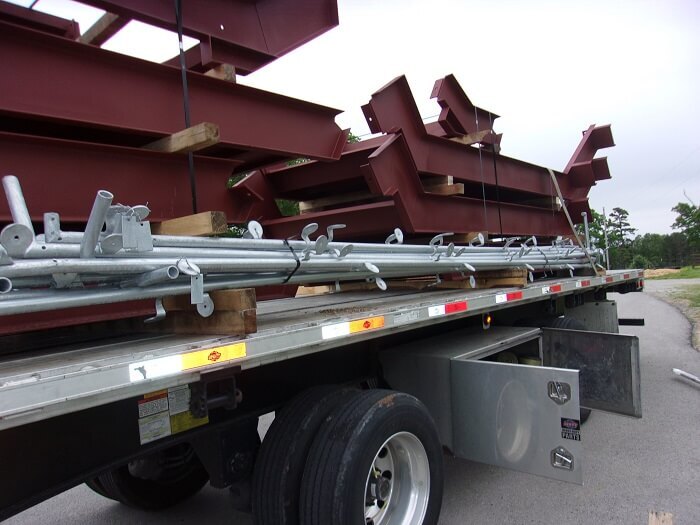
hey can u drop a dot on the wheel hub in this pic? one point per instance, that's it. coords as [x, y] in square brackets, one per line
[398, 482]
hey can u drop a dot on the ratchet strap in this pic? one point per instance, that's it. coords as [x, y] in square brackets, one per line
[568, 217]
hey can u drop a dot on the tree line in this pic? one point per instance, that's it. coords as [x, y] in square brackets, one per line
[626, 249]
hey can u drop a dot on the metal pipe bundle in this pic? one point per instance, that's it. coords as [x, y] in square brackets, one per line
[117, 259]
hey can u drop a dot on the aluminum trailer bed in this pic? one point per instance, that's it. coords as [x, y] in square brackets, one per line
[68, 412]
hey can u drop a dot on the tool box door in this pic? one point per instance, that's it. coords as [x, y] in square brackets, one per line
[525, 418]
[608, 366]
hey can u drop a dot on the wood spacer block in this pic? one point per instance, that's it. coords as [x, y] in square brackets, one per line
[224, 300]
[191, 139]
[201, 225]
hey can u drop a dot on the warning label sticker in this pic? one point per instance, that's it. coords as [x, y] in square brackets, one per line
[154, 427]
[153, 405]
[179, 399]
[166, 412]
[571, 429]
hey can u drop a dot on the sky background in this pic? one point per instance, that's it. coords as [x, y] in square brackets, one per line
[549, 68]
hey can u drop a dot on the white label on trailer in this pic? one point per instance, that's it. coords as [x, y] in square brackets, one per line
[155, 368]
[545, 290]
[335, 330]
[179, 399]
[501, 298]
[148, 408]
[434, 311]
[406, 317]
[154, 427]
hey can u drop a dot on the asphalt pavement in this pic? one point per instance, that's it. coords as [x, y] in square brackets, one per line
[631, 466]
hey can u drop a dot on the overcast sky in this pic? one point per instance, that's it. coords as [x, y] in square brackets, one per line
[549, 68]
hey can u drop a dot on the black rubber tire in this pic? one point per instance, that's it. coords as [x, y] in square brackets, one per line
[342, 453]
[280, 462]
[147, 494]
[95, 485]
[565, 323]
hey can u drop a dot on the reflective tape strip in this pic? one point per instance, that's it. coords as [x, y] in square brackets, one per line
[626, 276]
[608, 279]
[510, 296]
[173, 364]
[210, 356]
[351, 327]
[435, 311]
[459, 306]
[587, 282]
[448, 308]
[551, 289]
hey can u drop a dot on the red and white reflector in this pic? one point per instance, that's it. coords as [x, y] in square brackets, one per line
[553, 288]
[507, 297]
[447, 308]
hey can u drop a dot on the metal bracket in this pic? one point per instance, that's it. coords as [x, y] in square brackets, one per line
[160, 312]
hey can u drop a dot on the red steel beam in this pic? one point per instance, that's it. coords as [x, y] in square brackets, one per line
[39, 21]
[97, 88]
[458, 115]
[391, 172]
[393, 108]
[63, 176]
[247, 34]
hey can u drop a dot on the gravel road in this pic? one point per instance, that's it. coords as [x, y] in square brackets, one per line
[631, 466]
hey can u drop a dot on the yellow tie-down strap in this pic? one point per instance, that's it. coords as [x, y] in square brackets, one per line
[173, 364]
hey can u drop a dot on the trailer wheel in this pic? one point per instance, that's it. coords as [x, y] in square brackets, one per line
[280, 462]
[95, 485]
[174, 474]
[377, 460]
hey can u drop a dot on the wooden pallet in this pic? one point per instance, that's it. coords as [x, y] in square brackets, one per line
[234, 314]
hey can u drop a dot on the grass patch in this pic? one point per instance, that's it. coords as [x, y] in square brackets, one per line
[690, 294]
[687, 272]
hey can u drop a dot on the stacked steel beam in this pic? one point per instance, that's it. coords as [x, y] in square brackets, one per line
[74, 117]
[500, 195]
[102, 107]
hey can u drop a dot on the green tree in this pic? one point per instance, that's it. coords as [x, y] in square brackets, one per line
[651, 247]
[675, 249]
[620, 235]
[688, 222]
[620, 231]
[595, 229]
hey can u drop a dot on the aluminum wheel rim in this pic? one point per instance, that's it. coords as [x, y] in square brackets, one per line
[397, 488]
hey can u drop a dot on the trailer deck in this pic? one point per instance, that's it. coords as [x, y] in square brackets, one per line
[70, 378]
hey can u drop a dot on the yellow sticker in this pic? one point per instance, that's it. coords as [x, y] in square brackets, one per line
[366, 324]
[212, 356]
[185, 421]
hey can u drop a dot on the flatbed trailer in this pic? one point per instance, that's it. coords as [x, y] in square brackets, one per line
[120, 410]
